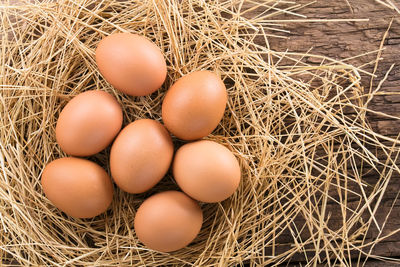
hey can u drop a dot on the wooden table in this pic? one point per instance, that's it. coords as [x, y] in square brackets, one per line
[341, 40]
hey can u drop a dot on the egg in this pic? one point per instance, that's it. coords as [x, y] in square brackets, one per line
[168, 221]
[206, 171]
[78, 187]
[141, 155]
[88, 123]
[131, 63]
[194, 105]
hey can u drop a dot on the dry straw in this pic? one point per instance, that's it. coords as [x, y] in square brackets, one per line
[299, 131]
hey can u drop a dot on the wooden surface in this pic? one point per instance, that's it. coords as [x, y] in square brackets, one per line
[341, 40]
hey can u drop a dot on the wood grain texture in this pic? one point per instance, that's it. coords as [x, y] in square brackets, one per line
[341, 40]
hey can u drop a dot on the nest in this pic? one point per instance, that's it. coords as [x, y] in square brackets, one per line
[298, 129]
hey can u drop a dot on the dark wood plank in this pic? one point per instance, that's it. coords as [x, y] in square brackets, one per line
[341, 40]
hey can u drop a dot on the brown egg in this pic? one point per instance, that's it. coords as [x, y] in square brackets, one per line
[206, 171]
[168, 221]
[88, 123]
[141, 155]
[194, 105]
[131, 63]
[78, 187]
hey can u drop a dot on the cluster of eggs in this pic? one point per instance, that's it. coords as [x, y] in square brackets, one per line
[142, 152]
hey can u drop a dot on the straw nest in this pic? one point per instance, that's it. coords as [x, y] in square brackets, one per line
[299, 131]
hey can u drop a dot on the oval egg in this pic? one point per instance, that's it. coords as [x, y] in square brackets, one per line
[206, 171]
[141, 155]
[131, 63]
[194, 105]
[88, 123]
[168, 221]
[78, 187]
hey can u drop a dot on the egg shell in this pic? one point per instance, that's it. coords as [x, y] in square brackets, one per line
[141, 155]
[131, 63]
[194, 105]
[88, 123]
[206, 171]
[78, 187]
[168, 221]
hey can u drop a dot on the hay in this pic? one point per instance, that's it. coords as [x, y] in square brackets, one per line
[388, 4]
[299, 131]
